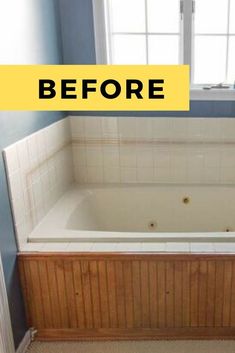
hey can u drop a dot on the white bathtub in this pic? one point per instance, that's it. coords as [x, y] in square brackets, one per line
[144, 213]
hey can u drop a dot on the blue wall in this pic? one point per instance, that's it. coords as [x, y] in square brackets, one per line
[33, 39]
[79, 48]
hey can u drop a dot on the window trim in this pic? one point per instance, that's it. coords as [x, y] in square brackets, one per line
[102, 43]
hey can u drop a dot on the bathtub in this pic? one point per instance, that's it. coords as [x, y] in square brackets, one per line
[143, 213]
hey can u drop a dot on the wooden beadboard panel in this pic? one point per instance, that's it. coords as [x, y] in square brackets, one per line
[105, 296]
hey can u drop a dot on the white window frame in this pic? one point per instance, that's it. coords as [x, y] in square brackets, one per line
[103, 43]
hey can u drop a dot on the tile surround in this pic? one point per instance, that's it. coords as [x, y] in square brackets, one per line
[39, 170]
[153, 150]
[115, 150]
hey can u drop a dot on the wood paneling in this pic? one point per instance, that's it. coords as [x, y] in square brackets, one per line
[121, 296]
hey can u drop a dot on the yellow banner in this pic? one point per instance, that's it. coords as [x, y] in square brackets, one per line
[94, 87]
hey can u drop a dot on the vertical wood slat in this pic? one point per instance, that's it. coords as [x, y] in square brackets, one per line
[120, 294]
[26, 293]
[170, 294]
[202, 294]
[211, 279]
[178, 297]
[70, 294]
[219, 293]
[46, 302]
[136, 294]
[78, 287]
[194, 312]
[36, 294]
[227, 293]
[153, 288]
[111, 280]
[128, 294]
[95, 294]
[86, 286]
[63, 304]
[148, 293]
[103, 288]
[161, 275]
[186, 293]
[232, 314]
[53, 293]
[144, 285]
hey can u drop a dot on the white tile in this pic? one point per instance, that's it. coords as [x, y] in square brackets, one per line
[128, 157]
[104, 247]
[79, 247]
[77, 126]
[129, 247]
[79, 156]
[177, 247]
[93, 127]
[145, 175]
[32, 247]
[94, 156]
[112, 175]
[179, 128]
[195, 129]
[111, 156]
[163, 175]
[162, 129]
[161, 156]
[227, 175]
[211, 129]
[154, 247]
[16, 185]
[54, 247]
[202, 247]
[80, 174]
[18, 209]
[144, 156]
[95, 174]
[23, 155]
[127, 128]
[128, 175]
[110, 127]
[179, 174]
[144, 128]
[224, 247]
[12, 162]
[211, 175]
[227, 128]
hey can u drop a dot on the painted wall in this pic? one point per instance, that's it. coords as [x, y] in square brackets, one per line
[79, 48]
[34, 39]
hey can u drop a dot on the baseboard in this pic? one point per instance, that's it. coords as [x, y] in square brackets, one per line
[24, 343]
[136, 334]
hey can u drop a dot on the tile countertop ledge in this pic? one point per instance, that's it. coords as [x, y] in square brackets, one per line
[161, 247]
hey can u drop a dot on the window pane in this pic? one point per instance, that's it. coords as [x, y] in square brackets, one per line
[163, 16]
[232, 16]
[129, 49]
[163, 49]
[211, 16]
[210, 59]
[231, 60]
[127, 15]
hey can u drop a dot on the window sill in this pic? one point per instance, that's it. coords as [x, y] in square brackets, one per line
[212, 94]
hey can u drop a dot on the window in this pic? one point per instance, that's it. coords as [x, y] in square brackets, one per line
[214, 41]
[200, 33]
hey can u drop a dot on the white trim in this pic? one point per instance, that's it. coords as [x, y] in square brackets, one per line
[6, 336]
[24, 344]
[100, 31]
